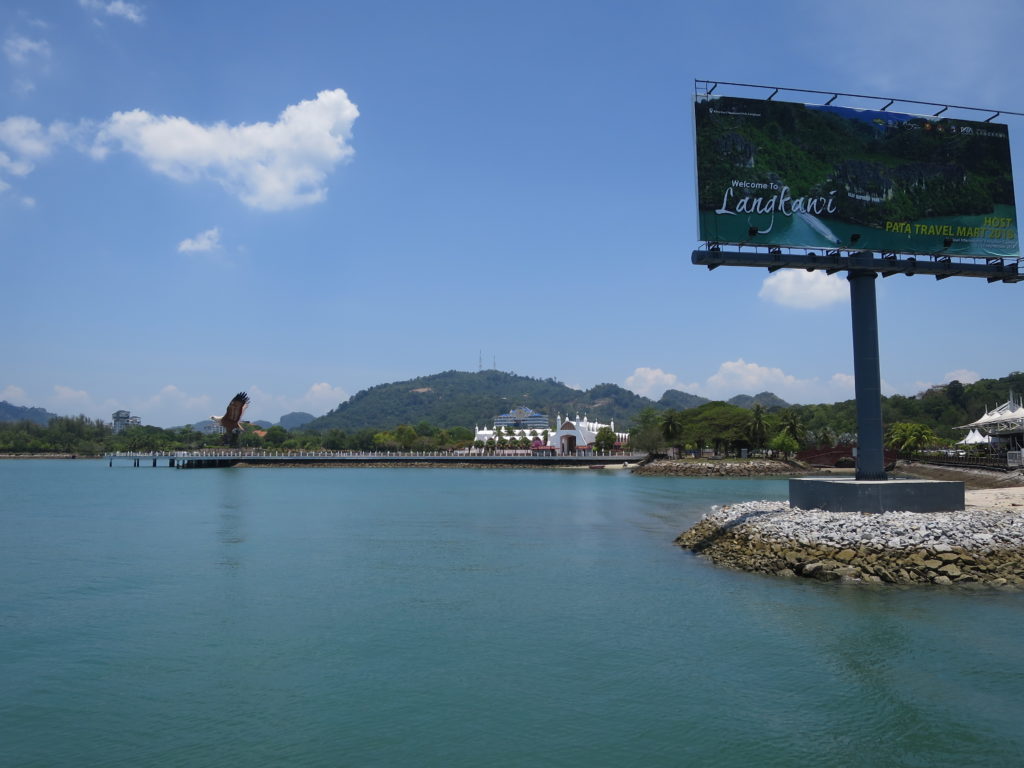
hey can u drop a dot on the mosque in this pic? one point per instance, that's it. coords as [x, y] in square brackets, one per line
[571, 436]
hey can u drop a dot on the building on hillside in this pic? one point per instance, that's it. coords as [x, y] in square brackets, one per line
[523, 421]
[1004, 425]
[121, 420]
[522, 418]
[208, 427]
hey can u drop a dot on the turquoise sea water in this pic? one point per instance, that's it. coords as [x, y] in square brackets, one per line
[450, 617]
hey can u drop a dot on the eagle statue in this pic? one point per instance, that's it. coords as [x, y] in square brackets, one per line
[231, 420]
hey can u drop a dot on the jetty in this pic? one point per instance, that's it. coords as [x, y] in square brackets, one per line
[214, 458]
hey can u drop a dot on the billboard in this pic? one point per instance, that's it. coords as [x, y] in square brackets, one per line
[820, 176]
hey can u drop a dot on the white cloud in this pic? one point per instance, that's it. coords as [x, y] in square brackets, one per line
[204, 241]
[14, 395]
[29, 58]
[171, 402]
[23, 51]
[651, 382]
[270, 166]
[120, 8]
[962, 375]
[318, 399]
[739, 376]
[24, 141]
[843, 382]
[322, 397]
[67, 398]
[29, 139]
[800, 289]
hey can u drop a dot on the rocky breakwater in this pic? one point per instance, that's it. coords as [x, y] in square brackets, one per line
[717, 468]
[968, 548]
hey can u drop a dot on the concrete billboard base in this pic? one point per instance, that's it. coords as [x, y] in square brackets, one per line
[848, 495]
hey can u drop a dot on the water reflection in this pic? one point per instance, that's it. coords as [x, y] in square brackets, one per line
[230, 531]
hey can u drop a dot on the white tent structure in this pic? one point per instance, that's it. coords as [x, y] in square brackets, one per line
[1002, 424]
[974, 437]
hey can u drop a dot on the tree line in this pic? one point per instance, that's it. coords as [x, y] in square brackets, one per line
[725, 429]
[930, 419]
[728, 429]
[83, 436]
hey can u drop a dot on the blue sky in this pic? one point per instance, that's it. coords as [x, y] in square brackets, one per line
[306, 199]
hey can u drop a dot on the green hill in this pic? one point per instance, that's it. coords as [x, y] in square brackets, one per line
[458, 398]
[766, 400]
[680, 401]
[943, 408]
[10, 412]
[465, 399]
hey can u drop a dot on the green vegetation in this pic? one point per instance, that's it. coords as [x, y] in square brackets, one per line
[459, 398]
[603, 441]
[929, 419]
[905, 436]
[722, 426]
[10, 412]
[941, 409]
[85, 437]
[61, 435]
[462, 399]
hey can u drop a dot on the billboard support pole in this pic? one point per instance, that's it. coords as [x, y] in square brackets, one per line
[866, 370]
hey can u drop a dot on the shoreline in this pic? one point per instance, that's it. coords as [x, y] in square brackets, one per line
[728, 468]
[982, 545]
[242, 464]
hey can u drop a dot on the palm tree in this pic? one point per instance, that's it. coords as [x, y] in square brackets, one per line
[908, 437]
[757, 426]
[793, 425]
[825, 437]
[672, 427]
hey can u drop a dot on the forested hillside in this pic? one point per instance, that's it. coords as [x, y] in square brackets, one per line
[9, 413]
[941, 408]
[464, 399]
[457, 398]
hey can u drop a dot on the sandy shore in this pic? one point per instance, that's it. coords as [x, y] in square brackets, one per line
[996, 499]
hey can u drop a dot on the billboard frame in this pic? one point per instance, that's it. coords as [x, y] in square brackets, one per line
[862, 268]
[940, 263]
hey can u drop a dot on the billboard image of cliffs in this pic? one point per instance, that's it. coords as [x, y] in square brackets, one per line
[818, 176]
